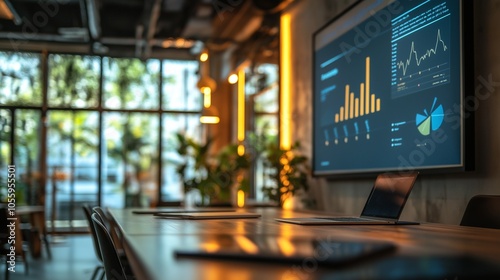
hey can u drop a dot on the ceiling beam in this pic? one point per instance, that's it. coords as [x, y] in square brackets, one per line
[46, 46]
[150, 25]
[60, 2]
[139, 42]
[94, 19]
[118, 41]
[20, 38]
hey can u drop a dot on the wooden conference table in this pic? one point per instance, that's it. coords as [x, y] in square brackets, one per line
[425, 251]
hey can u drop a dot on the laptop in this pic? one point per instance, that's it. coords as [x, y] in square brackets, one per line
[208, 215]
[180, 210]
[383, 206]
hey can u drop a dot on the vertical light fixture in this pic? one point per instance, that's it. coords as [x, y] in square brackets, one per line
[207, 96]
[241, 198]
[241, 111]
[209, 114]
[207, 86]
[285, 81]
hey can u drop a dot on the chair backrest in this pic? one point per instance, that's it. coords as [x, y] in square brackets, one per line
[112, 264]
[482, 211]
[88, 212]
[103, 216]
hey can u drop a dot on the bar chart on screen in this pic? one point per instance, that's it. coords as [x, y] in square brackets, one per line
[366, 103]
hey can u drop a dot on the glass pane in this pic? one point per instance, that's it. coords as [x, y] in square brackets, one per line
[131, 83]
[130, 159]
[179, 85]
[20, 81]
[72, 160]
[267, 101]
[265, 83]
[73, 80]
[172, 188]
[5, 149]
[271, 71]
[266, 125]
[26, 157]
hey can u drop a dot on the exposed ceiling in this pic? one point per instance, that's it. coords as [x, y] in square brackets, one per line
[137, 28]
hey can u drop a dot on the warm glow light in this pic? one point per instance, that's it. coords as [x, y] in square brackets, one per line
[246, 244]
[203, 56]
[232, 79]
[286, 246]
[5, 11]
[179, 43]
[207, 98]
[241, 150]
[206, 90]
[241, 198]
[240, 227]
[287, 203]
[285, 68]
[241, 105]
[209, 119]
[206, 83]
[210, 246]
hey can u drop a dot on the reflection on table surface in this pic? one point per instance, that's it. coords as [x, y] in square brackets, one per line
[423, 251]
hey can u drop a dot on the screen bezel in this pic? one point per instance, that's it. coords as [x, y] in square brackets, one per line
[467, 91]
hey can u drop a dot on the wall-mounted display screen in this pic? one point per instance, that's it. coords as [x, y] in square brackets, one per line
[390, 81]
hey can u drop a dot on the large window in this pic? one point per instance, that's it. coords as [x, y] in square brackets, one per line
[104, 134]
[72, 160]
[179, 86]
[26, 154]
[131, 83]
[263, 92]
[73, 81]
[20, 82]
[131, 159]
[5, 148]
[172, 188]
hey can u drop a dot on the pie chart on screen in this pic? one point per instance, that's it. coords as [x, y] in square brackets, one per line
[430, 120]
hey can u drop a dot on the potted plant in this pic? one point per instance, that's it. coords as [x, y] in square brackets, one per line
[215, 177]
[227, 173]
[285, 167]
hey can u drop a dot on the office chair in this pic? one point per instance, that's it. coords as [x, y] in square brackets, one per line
[482, 211]
[112, 264]
[88, 212]
[111, 227]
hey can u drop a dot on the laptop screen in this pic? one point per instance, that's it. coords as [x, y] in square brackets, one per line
[389, 195]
